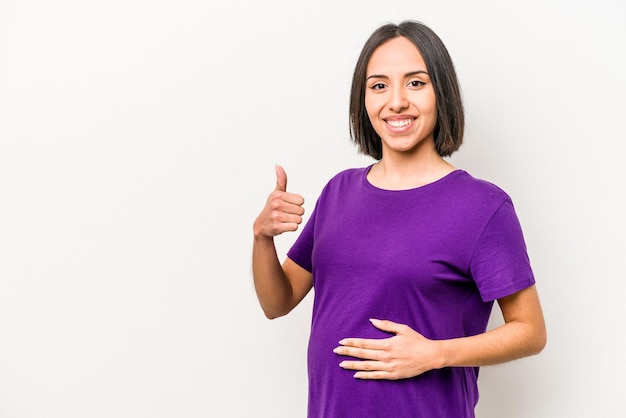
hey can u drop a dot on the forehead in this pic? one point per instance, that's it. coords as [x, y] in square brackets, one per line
[395, 55]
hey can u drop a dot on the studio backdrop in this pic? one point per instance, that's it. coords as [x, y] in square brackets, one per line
[137, 145]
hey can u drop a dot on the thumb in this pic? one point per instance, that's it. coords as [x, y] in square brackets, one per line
[281, 179]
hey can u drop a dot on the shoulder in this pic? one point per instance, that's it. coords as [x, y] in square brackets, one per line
[347, 177]
[470, 186]
[477, 197]
[346, 183]
[350, 174]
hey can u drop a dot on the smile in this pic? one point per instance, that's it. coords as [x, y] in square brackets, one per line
[399, 123]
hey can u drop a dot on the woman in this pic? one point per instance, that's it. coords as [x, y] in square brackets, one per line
[406, 255]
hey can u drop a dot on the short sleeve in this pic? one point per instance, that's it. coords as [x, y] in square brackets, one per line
[500, 265]
[301, 252]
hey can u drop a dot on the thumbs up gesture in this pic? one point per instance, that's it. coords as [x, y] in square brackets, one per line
[282, 212]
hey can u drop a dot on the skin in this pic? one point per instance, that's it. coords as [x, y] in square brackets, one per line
[279, 288]
[398, 89]
[401, 105]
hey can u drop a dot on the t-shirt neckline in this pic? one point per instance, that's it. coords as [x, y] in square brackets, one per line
[427, 186]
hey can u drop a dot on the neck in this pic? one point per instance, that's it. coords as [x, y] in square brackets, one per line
[401, 172]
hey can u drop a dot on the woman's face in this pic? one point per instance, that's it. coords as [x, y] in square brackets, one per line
[400, 99]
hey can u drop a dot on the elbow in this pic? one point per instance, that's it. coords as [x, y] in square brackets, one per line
[275, 309]
[273, 313]
[542, 344]
[539, 342]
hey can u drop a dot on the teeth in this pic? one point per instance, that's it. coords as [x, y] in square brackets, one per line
[399, 123]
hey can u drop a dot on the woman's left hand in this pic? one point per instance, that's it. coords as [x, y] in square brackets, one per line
[406, 354]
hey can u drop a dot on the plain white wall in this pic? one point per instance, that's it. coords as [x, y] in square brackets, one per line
[137, 144]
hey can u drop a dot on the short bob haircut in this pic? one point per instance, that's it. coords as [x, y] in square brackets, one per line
[450, 116]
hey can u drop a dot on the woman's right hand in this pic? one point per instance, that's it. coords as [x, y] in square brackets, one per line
[282, 212]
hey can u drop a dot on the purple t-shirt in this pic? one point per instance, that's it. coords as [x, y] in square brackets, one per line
[434, 258]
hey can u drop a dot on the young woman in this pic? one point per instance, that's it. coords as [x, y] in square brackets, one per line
[406, 255]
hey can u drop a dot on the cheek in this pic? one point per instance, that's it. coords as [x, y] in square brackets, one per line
[430, 103]
[372, 108]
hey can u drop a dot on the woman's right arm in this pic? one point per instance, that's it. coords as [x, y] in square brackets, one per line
[279, 287]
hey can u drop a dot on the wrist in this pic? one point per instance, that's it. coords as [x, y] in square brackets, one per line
[260, 237]
[446, 353]
[257, 229]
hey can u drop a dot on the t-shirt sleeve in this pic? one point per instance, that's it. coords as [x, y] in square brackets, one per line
[500, 265]
[301, 251]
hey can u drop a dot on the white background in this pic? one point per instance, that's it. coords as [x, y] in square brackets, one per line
[137, 144]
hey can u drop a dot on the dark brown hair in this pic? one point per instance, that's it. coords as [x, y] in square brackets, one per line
[450, 116]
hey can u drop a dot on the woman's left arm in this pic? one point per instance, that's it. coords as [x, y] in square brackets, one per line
[409, 354]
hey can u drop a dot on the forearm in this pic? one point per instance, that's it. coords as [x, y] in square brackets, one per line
[272, 286]
[408, 353]
[508, 342]
[523, 334]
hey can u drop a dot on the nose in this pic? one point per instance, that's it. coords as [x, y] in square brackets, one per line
[398, 100]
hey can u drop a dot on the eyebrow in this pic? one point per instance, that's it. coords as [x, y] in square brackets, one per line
[412, 73]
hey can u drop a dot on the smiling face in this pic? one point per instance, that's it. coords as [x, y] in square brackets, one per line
[400, 99]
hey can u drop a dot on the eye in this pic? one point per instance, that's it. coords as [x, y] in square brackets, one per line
[377, 86]
[416, 83]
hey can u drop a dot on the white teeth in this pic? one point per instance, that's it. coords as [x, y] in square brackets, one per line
[399, 123]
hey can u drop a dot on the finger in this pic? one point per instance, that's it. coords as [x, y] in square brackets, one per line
[286, 218]
[369, 366]
[372, 370]
[285, 203]
[281, 179]
[277, 228]
[361, 353]
[287, 226]
[388, 326]
[374, 375]
[296, 200]
[368, 344]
